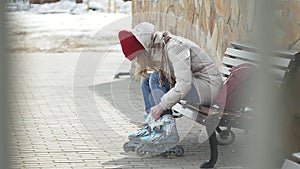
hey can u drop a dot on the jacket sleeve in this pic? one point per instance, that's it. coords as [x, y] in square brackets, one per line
[179, 59]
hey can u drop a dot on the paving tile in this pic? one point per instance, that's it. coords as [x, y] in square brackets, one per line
[48, 131]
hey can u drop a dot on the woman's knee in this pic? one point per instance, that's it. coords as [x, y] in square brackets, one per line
[154, 76]
[145, 82]
[154, 80]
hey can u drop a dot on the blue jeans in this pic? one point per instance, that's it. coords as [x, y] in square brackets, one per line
[152, 91]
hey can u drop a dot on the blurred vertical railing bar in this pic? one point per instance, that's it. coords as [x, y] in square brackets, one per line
[3, 99]
[265, 145]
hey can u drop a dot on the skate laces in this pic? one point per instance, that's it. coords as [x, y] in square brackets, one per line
[156, 124]
[153, 137]
[159, 138]
[163, 138]
[143, 131]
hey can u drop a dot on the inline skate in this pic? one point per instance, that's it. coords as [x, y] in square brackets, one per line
[134, 138]
[163, 141]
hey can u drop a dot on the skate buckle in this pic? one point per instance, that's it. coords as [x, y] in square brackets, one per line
[155, 124]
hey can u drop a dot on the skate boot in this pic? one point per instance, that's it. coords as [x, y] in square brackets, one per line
[145, 115]
[145, 131]
[134, 138]
[163, 141]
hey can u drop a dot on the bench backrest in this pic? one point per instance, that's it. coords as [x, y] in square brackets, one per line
[282, 62]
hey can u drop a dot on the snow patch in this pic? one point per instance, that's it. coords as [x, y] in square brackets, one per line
[70, 6]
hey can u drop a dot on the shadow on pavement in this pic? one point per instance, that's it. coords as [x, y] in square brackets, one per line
[125, 96]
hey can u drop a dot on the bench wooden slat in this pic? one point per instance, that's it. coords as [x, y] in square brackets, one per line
[283, 53]
[242, 54]
[233, 62]
[254, 57]
[224, 70]
[224, 78]
[288, 164]
[297, 156]
[279, 73]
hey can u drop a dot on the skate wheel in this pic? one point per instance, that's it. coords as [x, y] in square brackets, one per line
[127, 148]
[179, 151]
[226, 138]
[166, 154]
[140, 151]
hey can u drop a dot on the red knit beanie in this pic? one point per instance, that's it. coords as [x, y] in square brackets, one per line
[131, 47]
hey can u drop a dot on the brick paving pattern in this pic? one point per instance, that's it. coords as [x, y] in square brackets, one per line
[53, 124]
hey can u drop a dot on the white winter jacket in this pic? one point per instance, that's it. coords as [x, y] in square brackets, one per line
[189, 65]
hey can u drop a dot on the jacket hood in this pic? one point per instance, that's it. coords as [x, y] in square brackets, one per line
[143, 33]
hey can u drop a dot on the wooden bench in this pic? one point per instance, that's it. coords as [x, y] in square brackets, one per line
[284, 63]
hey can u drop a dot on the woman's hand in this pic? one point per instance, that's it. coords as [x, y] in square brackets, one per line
[156, 111]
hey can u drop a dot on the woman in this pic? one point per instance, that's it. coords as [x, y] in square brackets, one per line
[182, 71]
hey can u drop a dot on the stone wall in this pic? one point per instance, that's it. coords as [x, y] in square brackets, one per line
[215, 23]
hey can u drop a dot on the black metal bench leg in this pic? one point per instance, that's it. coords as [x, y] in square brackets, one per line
[213, 152]
[117, 75]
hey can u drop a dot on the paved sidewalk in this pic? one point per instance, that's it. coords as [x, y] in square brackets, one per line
[55, 124]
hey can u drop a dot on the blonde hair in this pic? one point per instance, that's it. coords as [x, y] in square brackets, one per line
[159, 58]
